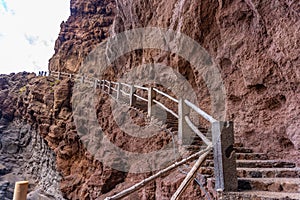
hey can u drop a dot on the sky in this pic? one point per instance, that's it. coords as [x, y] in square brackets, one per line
[28, 30]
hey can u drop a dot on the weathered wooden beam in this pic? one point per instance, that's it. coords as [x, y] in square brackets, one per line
[185, 134]
[132, 99]
[196, 130]
[141, 184]
[151, 96]
[118, 91]
[189, 176]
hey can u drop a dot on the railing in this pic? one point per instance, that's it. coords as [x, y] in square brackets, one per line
[222, 132]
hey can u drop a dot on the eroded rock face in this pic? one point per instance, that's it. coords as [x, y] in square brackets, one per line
[25, 155]
[255, 43]
[40, 143]
[87, 26]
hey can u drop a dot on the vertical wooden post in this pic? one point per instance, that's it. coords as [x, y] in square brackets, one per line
[95, 84]
[20, 192]
[109, 87]
[224, 156]
[119, 91]
[185, 135]
[103, 85]
[151, 96]
[132, 99]
[58, 76]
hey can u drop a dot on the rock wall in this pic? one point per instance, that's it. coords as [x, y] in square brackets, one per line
[87, 26]
[254, 42]
[24, 154]
[40, 143]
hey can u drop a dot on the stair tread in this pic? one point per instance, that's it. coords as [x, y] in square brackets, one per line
[264, 161]
[266, 194]
[253, 153]
[260, 161]
[262, 169]
[269, 169]
[275, 163]
[267, 184]
[271, 180]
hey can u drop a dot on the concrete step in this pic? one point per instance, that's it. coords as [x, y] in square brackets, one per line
[246, 156]
[270, 184]
[259, 172]
[251, 156]
[260, 195]
[257, 164]
[290, 185]
[243, 150]
[268, 172]
[265, 164]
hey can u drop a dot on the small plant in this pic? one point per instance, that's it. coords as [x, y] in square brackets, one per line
[22, 89]
[56, 82]
[52, 84]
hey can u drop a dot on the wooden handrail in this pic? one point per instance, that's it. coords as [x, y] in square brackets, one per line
[112, 88]
[125, 93]
[127, 85]
[190, 175]
[196, 130]
[141, 98]
[200, 112]
[166, 95]
[141, 87]
[226, 180]
[141, 184]
[165, 108]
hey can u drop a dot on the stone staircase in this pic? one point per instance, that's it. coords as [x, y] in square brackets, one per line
[259, 178]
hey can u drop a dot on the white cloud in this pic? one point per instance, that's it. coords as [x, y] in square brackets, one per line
[28, 30]
[32, 39]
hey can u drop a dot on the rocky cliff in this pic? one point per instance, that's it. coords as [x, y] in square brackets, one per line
[25, 154]
[255, 44]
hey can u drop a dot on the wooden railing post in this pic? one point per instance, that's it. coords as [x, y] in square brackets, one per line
[103, 85]
[224, 156]
[109, 87]
[132, 99]
[184, 131]
[119, 90]
[20, 191]
[151, 96]
[95, 84]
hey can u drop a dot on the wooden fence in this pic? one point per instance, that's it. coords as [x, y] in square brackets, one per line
[222, 131]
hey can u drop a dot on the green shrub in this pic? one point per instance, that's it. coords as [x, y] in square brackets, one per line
[56, 82]
[22, 89]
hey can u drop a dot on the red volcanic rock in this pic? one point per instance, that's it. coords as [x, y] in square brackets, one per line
[87, 26]
[255, 44]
